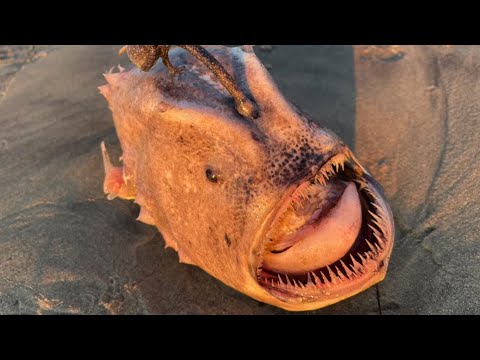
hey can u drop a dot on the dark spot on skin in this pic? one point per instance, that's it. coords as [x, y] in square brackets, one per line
[250, 181]
[256, 137]
[227, 240]
[381, 265]
[211, 176]
[238, 183]
[290, 166]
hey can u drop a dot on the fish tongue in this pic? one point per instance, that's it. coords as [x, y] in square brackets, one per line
[321, 244]
[321, 200]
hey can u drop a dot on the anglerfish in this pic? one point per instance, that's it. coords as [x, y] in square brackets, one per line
[240, 182]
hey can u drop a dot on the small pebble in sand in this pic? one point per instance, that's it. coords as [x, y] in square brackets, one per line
[388, 53]
[5, 52]
[265, 47]
[3, 145]
[40, 55]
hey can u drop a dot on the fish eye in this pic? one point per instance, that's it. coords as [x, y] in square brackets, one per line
[211, 176]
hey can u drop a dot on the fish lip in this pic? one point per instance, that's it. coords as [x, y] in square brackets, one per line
[373, 269]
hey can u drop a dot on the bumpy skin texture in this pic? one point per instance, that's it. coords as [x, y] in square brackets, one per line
[177, 130]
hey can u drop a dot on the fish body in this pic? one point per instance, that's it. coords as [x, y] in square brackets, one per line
[276, 206]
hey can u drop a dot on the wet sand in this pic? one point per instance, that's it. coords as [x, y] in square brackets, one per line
[412, 115]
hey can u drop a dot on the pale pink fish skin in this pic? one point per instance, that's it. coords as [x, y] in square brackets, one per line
[175, 128]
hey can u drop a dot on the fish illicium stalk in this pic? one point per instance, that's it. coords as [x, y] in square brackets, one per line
[145, 57]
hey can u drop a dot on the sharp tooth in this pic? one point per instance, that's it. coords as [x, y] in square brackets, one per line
[371, 247]
[357, 266]
[363, 260]
[301, 194]
[375, 230]
[379, 249]
[380, 240]
[382, 243]
[330, 170]
[298, 283]
[362, 186]
[280, 280]
[289, 284]
[347, 270]
[318, 282]
[376, 217]
[354, 273]
[343, 166]
[377, 235]
[340, 274]
[381, 226]
[309, 279]
[327, 283]
[333, 276]
[296, 205]
[379, 208]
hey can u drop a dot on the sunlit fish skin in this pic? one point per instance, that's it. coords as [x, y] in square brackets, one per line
[272, 204]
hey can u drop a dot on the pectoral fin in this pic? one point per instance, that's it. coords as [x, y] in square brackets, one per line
[114, 184]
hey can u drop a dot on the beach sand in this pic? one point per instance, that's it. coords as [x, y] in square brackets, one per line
[410, 113]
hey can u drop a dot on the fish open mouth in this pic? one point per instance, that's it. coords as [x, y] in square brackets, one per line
[330, 238]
